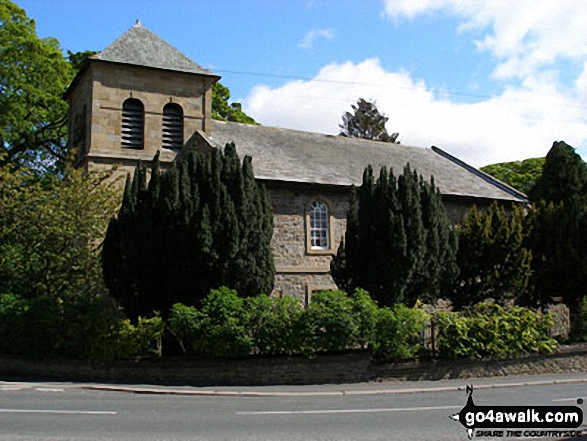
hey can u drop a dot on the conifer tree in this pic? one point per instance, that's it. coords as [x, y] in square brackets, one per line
[558, 265]
[557, 229]
[366, 122]
[492, 258]
[563, 179]
[399, 244]
[202, 224]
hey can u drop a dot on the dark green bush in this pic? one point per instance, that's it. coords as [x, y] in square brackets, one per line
[579, 324]
[86, 328]
[30, 327]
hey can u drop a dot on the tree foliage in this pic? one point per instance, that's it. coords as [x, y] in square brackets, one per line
[559, 263]
[563, 179]
[33, 76]
[203, 224]
[77, 59]
[225, 111]
[399, 244]
[522, 175]
[492, 258]
[50, 230]
[557, 229]
[366, 122]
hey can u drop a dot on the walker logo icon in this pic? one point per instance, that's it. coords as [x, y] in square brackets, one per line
[479, 420]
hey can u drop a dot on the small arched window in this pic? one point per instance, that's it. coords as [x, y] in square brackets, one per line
[133, 124]
[319, 226]
[172, 126]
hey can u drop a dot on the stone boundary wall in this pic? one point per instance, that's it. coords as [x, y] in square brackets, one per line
[345, 368]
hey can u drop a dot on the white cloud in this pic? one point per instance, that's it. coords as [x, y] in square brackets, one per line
[314, 34]
[526, 36]
[519, 124]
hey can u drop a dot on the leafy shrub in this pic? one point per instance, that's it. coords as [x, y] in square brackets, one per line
[489, 330]
[185, 324]
[365, 313]
[398, 333]
[276, 325]
[331, 318]
[222, 327]
[143, 339]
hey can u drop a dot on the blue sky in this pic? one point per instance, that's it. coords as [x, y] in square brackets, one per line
[486, 80]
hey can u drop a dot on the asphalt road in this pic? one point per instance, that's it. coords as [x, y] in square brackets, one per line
[380, 411]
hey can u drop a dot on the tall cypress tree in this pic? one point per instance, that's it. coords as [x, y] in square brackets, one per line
[492, 258]
[557, 229]
[399, 244]
[202, 224]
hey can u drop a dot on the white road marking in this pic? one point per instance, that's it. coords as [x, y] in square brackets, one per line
[60, 412]
[10, 388]
[567, 399]
[335, 411]
[48, 389]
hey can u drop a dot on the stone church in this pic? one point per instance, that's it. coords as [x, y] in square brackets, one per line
[140, 96]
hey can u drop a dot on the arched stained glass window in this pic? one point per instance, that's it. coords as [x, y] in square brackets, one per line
[319, 226]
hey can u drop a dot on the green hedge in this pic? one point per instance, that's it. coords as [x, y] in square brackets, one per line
[490, 330]
[227, 326]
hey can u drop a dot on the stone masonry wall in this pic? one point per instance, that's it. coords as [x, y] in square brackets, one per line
[301, 270]
[102, 90]
[345, 368]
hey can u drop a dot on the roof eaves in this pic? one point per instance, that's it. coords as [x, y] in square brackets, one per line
[486, 177]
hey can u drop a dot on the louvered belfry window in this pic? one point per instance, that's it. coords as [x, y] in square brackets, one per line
[133, 124]
[172, 126]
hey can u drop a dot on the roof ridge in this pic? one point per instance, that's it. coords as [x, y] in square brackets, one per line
[328, 135]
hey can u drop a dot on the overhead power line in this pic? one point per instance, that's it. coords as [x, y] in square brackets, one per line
[362, 83]
[356, 83]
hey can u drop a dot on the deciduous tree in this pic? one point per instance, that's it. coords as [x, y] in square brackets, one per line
[223, 110]
[33, 76]
[50, 230]
[522, 175]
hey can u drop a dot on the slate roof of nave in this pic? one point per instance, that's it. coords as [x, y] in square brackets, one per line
[295, 156]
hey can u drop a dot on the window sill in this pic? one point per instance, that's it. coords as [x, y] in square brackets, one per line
[318, 251]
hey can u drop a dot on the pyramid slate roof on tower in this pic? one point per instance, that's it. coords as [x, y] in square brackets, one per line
[141, 47]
